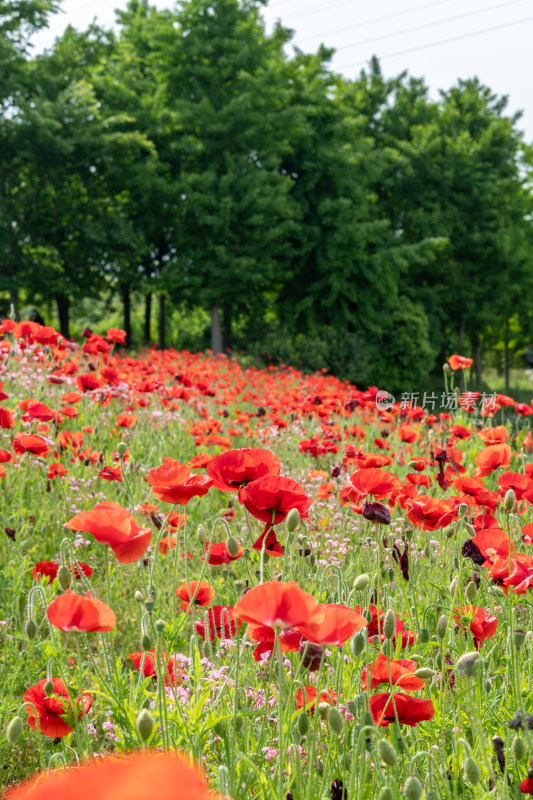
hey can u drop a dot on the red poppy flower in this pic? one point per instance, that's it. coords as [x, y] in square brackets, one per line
[519, 483]
[429, 513]
[270, 499]
[401, 674]
[7, 419]
[236, 468]
[75, 612]
[195, 593]
[219, 624]
[376, 482]
[172, 482]
[276, 605]
[116, 335]
[30, 443]
[496, 435]
[309, 702]
[49, 569]
[376, 512]
[460, 362]
[332, 625]
[132, 775]
[492, 457]
[219, 553]
[492, 542]
[56, 470]
[111, 524]
[53, 712]
[478, 622]
[149, 669]
[111, 474]
[410, 710]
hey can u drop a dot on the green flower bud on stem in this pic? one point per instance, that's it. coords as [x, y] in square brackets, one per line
[471, 591]
[144, 724]
[357, 644]
[442, 626]
[385, 793]
[31, 629]
[48, 688]
[425, 672]
[335, 720]
[510, 500]
[472, 771]
[387, 753]
[362, 582]
[412, 789]
[146, 643]
[64, 578]
[122, 449]
[293, 520]
[233, 546]
[519, 749]
[453, 586]
[469, 529]
[424, 635]
[138, 597]
[160, 626]
[519, 637]
[14, 730]
[467, 663]
[302, 723]
[389, 624]
[201, 534]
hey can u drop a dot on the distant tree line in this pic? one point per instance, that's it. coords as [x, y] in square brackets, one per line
[187, 159]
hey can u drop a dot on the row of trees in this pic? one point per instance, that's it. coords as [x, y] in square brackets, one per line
[357, 224]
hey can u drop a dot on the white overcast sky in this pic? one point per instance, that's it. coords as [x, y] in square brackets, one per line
[439, 40]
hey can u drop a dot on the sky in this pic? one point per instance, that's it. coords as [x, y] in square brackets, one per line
[438, 40]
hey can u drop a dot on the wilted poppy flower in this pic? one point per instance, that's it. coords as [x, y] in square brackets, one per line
[76, 612]
[276, 605]
[195, 593]
[429, 513]
[270, 499]
[478, 622]
[309, 700]
[30, 443]
[134, 775]
[54, 714]
[332, 625]
[376, 512]
[172, 482]
[111, 524]
[401, 674]
[460, 362]
[236, 468]
[409, 710]
[492, 457]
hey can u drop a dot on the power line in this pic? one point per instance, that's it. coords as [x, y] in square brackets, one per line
[442, 41]
[429, 24]
[322, 7]
[376, 19]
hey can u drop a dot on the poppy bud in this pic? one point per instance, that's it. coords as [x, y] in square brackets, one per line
[233, 546]
[467, 663]
[357, 644]
[138, 596]
[442, 626]
[412, 789]
[519, 637]
[238, 723]
[149, 604]
[376, 512]
[31, 629]
[201, 534]
[449, 531]
[387, 753]
[472, 771]
[409, 533]
[146, 643]
[424, 635]
[469, 529]
[510, 500]
[293, 519]
[462, 509]
[446, 367]
[432, 794]
[470, 591]
[302, 723]
[14, 730]
[160, 626]
[389, 624]
[122, 449]
[219, 728]
[335, 720]
[48, 688]
[425, 672]
[361, 582]
[144, 724]
[519, 749]
[64, 578]
[367, 719]
[385, 793]
[453, 586]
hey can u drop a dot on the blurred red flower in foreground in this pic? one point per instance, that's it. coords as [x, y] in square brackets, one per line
[410, 710]
[30, 443]
[235, 468]
[172, 482]
[276, 605]
[332, 625]
[75, 612]
[135, 776]
[52, 712]
[460, 362]
[111, 524]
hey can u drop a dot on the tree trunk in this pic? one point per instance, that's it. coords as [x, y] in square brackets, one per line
[126, 299]
[14, 308]
[226, 324]
[147, 318]
[216, 332]
[462, 330]
[63, 303]
[476, 341]
[506, 355]
[161, 322]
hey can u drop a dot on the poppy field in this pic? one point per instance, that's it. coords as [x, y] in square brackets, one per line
[229, 581]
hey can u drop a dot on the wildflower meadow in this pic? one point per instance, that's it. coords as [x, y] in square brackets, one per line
[222, 580]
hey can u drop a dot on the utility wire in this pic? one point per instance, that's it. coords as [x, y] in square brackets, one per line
[442, 41]
[430, 24]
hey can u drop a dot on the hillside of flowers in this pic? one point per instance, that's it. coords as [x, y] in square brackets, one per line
[219, 581]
